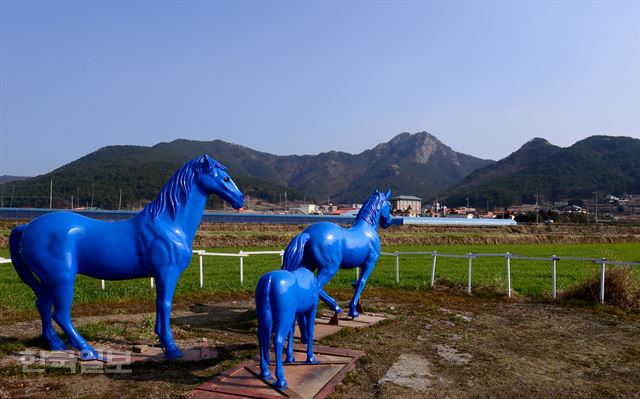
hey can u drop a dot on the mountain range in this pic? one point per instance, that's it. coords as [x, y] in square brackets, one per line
[413, 164]
[8, 178]
[598, 163]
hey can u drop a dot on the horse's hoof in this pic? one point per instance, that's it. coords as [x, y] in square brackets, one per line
[353, 313]
[312, 360]
[337, 309]
[290, 360]
[266, 375]
[90, 354]
[173, 354]
[281, 384]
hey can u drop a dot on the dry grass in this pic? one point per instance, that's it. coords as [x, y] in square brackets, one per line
[620, 289]
[241, 235]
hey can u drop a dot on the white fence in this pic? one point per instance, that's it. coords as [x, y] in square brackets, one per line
[241, 255]
[603, 262]
[553, 260]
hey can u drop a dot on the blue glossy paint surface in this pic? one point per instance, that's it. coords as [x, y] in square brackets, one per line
[328, 247]
[52, 249]
[281, 298]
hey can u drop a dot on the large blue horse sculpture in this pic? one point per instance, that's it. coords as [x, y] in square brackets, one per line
[329, 247]
[281, 298]
[51, 250]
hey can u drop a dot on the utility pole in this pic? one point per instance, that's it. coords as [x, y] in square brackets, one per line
[51, 194]
[71, 201]
[596, 203]
[93, 189]
[120, 201]
[536, 207]
[587, 205]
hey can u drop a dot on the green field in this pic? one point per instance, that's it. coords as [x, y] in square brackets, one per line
[221, 274]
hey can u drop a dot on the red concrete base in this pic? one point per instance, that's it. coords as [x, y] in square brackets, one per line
[305, 380]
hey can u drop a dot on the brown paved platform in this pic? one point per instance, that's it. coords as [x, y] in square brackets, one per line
[70, 358]
[364, 320]
[324, 329]
[305, 380]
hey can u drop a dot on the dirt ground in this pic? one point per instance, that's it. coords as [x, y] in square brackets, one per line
[440, 343]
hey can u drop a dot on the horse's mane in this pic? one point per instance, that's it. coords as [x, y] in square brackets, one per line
[175, 192]
[371, 208]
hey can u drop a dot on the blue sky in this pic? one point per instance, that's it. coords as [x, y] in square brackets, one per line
[306, 77]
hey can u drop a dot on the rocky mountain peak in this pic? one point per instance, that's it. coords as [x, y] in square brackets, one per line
[416, 147]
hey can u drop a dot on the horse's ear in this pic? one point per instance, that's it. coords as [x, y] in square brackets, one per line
[207, 163]
[388, 194]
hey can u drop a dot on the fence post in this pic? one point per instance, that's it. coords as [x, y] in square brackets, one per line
[433, 267]
[397, 267]
[102, 284]
[241, 267]
[602, 271]
[553, 277]
[357, 273]
[151, 281]
[201, 274]
[508, 256]
[469, 282]
[281, 258]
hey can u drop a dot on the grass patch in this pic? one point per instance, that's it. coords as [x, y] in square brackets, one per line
[221, 274]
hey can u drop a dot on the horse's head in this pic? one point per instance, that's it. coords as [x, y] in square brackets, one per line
[214, 179]
[385, 210]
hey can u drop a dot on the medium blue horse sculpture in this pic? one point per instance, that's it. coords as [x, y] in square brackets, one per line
[329, 247]
[281, 298]
[52, 249]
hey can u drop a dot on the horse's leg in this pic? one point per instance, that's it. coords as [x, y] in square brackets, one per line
[62, 295]
[324, 275]
[302, 324]
[264, 341]
[281, 330]
[290, 358]
[166, 280]
[44, 304]
[264, 356]
[311, 315]
[365, 272]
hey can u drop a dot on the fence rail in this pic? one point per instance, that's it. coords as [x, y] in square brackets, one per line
[603, 262]
[508, 256]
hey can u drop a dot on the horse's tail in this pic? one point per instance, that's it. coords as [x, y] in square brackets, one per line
[23, 270]
[265, 319]
[293, 254]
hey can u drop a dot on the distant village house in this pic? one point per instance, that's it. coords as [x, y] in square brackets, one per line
[406, 205]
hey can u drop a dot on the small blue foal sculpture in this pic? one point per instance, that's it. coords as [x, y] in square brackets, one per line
[52, 249]
[329, 247]
[281, 298]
